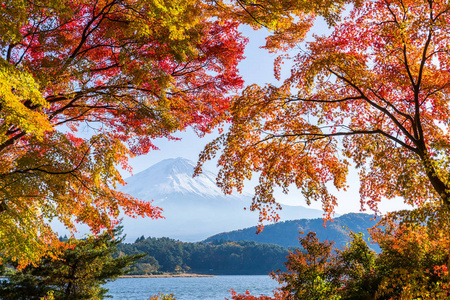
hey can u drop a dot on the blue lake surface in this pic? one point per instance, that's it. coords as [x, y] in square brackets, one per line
[190, 288]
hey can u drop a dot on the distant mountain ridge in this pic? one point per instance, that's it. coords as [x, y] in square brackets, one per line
[194, 207]
[286, 233]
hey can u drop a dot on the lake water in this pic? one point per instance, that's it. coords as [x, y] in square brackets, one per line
[190, 288]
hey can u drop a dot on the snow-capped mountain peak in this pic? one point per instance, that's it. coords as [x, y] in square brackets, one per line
[172, 176]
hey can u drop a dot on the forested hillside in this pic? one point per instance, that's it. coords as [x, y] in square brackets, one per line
[169, 255]
[286, 233]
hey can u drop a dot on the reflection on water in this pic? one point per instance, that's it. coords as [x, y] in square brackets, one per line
[190, 288]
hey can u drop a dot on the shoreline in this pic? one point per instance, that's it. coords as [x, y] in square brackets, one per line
[165, 275]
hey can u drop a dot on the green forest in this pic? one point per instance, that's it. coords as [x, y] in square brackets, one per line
[165, 255]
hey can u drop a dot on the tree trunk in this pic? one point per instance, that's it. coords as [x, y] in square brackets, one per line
[439, 186]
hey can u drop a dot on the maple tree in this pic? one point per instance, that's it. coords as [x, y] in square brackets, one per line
[126, 70]
[308, 275]
[373, 93]
[414, 260]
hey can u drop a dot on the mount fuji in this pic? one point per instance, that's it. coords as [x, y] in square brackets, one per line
[194, 207]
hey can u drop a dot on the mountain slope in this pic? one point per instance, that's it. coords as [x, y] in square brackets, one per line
[194, 207]
[286, 233]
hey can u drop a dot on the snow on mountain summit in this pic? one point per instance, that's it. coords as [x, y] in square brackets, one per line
[171, 176]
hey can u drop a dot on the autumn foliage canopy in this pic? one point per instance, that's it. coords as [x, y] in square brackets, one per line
[84, 85]
[373, 94]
